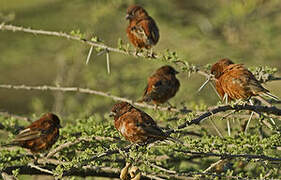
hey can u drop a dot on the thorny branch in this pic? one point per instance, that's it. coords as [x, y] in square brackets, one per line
[59, 34]
[181, 62]
[13, 28]
[90, 91]
[264, 109]
[215, 110]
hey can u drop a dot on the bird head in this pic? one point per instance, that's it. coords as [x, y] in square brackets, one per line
[167, 70]
[218, 68]
[54, 118]
[119, 109]
[135, 12]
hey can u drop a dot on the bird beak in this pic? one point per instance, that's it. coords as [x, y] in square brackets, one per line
[176, 72]
[112, 114]
[128, 16]
[205, 83]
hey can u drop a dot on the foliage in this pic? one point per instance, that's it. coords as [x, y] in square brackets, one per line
[99, 136]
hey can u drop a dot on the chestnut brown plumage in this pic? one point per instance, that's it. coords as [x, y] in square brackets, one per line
[161, 86]
[40, 135]
[234, 81]
[135, 125]
[142, 30]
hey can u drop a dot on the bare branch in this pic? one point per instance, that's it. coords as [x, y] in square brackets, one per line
[58, 34]
[89, 91]
[32, 165]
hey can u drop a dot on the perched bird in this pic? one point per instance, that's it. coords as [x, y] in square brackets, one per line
[135, 125]
[40, 135]
[161, 86]
[142, 30]
[234, 81]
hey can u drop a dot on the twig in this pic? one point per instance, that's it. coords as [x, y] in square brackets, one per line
[32, 165]
[160, 168]
[212, 174]
[89, 91]
[228, 127]
[265, 109]
[107, 62]
[153, 176]
[65, 145]
[212, 165]
[69, 143]
[216, 128]
[6, 176]
[89, 54]
[58, 34]
[230, 156]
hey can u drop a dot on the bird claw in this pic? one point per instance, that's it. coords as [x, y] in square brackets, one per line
[150, 54]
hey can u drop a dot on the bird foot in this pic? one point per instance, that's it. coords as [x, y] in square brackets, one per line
[241, 102]
[137, 52]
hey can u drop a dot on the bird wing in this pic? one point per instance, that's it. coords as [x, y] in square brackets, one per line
[27, 134]
[146, 30]
[35, 130]
[239, 82]
[150, 126]
[156, 87]
[154, 31]
[234, 83]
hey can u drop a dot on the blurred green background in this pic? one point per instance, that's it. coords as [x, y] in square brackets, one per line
[201, 31]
